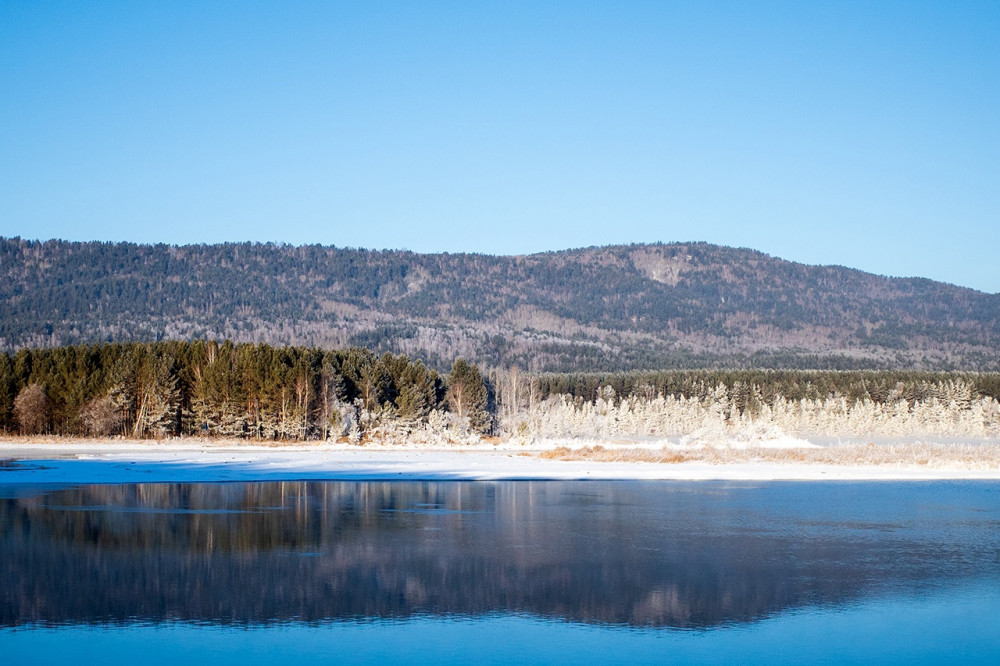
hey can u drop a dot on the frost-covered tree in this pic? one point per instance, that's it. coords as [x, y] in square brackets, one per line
[101, 417]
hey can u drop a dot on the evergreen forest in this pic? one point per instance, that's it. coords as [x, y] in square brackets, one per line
[224, 389]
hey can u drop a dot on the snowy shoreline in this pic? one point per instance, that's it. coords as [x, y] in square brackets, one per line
[51, 461]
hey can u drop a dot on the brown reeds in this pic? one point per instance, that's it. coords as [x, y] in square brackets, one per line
[980, 456]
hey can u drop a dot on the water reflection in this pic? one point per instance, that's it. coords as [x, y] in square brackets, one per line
[639, 554]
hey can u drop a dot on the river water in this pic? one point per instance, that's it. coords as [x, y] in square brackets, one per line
[499, 572]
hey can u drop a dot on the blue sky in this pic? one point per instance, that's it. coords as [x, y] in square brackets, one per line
[865, 134]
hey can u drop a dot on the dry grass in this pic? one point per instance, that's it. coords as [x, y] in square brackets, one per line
[941, 456]
[602, 454]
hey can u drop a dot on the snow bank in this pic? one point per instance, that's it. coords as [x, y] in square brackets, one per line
[83, 462]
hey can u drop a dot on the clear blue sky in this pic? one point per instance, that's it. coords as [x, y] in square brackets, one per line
[865, 134]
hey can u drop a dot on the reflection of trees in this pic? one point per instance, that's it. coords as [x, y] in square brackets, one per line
[594, 552]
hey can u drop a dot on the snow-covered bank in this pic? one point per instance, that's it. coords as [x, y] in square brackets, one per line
[95, 461]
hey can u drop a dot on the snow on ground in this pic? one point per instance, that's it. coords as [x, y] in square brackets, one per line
[74, 462]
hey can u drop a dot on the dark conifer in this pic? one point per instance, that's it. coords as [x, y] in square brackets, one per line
[468, 396]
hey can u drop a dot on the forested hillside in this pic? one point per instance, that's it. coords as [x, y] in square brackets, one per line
[596, 309]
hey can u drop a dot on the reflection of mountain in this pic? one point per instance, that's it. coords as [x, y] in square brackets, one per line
[681, 555]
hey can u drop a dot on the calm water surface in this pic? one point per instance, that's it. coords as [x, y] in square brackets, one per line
[439, 572]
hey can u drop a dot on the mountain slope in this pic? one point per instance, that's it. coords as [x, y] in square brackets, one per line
[618, 307]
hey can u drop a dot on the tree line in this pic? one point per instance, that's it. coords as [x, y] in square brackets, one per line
[763, 385]
[225, 389]
[259, 391]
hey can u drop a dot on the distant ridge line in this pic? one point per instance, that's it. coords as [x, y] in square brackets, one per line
[600, 308]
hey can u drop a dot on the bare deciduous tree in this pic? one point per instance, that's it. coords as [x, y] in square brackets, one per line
[33, 410]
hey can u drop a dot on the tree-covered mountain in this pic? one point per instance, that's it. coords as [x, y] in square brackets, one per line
[607, 308]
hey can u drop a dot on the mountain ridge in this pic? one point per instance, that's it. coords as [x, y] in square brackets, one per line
[614, 307]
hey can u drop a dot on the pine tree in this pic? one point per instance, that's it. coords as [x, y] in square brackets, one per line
[7, 393]
[468, 396]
